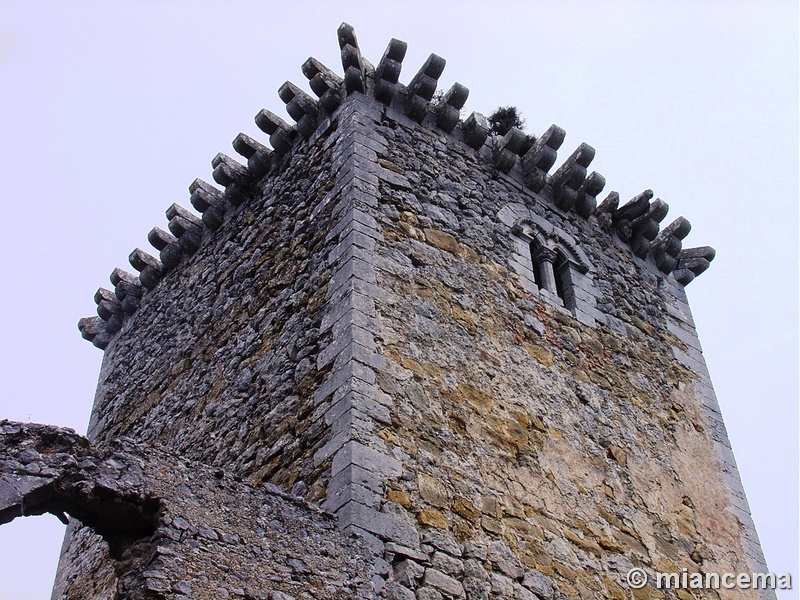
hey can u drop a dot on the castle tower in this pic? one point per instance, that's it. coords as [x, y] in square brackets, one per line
[486, 369]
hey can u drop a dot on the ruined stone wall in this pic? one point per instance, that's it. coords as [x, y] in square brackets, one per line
[175, 528]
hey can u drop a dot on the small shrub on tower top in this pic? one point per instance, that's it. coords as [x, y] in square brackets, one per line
[504, 118]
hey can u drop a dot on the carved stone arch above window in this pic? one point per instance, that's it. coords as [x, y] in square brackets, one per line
[554, 262]
[547, 235]
[551, 264]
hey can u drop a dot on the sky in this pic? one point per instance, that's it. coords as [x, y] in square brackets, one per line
[110, 110]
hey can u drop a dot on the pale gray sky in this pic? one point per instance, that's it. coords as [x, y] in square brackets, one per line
[110, 110]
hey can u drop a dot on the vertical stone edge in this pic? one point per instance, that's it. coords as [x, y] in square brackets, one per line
[680, 323]
[361, 461]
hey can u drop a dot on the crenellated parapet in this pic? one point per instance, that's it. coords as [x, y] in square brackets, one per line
[572, 188]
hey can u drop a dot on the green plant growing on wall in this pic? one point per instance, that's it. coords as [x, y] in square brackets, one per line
[504, 118]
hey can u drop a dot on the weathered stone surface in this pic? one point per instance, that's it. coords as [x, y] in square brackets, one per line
[447, 564]
[429, 593]
[48, 469]
[432, 518]
[501, 556]
[159, 516]
[443, 582]
[396, 591]
[511, 365]
[442, 542]
[409, 573]
[365, 322]
[432, 491]
[539, 583]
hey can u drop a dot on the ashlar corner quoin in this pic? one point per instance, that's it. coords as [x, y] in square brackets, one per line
[392, 355]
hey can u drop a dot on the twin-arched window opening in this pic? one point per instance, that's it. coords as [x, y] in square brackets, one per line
[551, 272]
[551, 264]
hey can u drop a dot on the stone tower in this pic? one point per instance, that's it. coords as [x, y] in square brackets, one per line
[395, 355]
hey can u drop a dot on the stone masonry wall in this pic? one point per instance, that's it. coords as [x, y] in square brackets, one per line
[176, 528]
[490, 380]
[237, 357]
[219, 360]
[541, 452]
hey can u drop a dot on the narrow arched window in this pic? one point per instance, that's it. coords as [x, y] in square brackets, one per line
[551, 265]
[552, 272]
[537, 271]
[563, 274]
